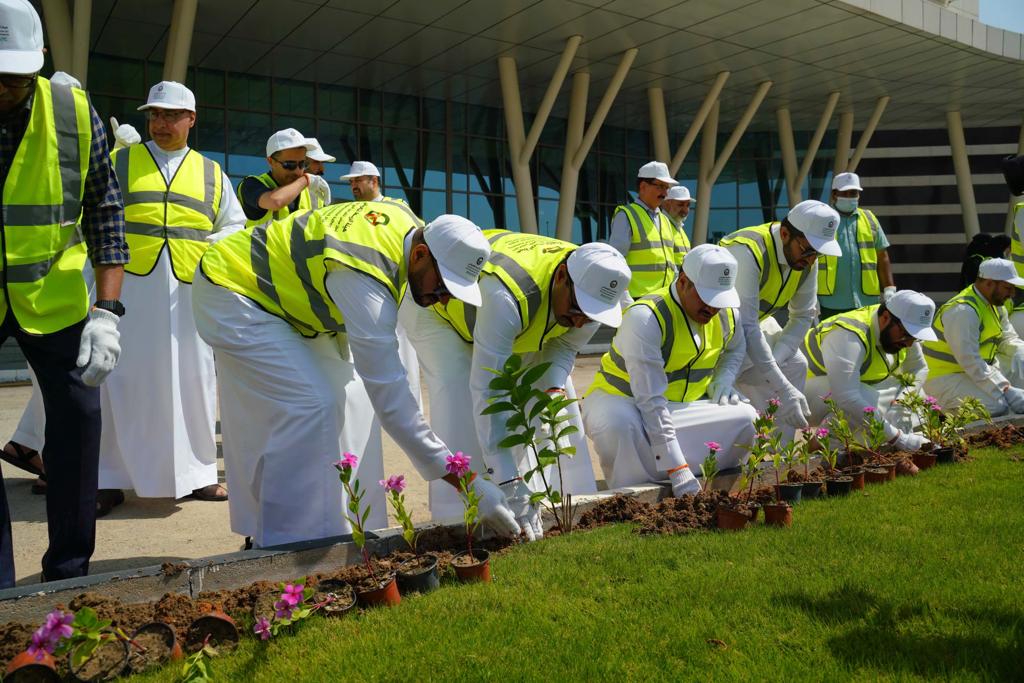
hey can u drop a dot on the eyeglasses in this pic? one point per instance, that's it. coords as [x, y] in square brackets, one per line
[807, 252]
[169, 115]
[441, 290]
[291, 165]
[574, 305]
[906, 335]
[17, 81]
[657, 183]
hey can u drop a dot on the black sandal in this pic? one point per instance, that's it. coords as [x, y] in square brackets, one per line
[107, 500]
[39, 486]
[21, 458]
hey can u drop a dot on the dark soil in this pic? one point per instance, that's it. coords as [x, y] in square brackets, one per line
[147, 649]
[218, 632]
[817, 474]
[466, 561]
[107, 662]
[14, 638]
[1006, 436]
[418, 565]
[670, 516]
[615, 509]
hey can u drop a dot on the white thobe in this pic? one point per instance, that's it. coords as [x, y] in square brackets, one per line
[160, 403]
[638, 438]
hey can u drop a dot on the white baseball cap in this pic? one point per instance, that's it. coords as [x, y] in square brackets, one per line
[600, 277]
[656, 170]
[818, 222]
[289, 138]
[317, 153]
[712, 270]
[1000, 269]
[846, 181]
[679, 193]
[170, 95]
[361, 168]
[915, 312]
[460, 249]
[21, 38]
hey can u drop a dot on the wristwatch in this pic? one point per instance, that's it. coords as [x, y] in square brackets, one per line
[112, 305]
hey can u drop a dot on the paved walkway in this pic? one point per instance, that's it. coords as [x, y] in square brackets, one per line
[147, 531]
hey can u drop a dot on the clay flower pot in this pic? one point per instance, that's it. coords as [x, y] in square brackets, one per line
[473, 568]
[158, 642]
[906, 468]
[875, 475]
[890, 469]
[924, 460]
[778, 514]
[811, 490]
[108, 661]
[789, 492]
[220, 627]
[25, 668]
[839, 486]
[344, 597]
[385, 594]
[755, 509]
[731, 520]
[418, 575]
[944, 455]
[857, 474]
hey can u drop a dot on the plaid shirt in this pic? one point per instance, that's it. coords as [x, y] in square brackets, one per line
[102, 206]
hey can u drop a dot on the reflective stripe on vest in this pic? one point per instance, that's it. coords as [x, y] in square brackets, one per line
[283, 265]
[305, 201]
[867, 229]
[689, 368]
[180, 213]
[775, 291]
[1017, 248]
[939, 356]
[43, 254]
[652, 249]
[875, 367]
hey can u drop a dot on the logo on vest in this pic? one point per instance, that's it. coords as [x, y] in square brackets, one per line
[376, 218]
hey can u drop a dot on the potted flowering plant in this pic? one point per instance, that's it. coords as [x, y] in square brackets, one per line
[296, 602]
[418, 574]
[836, 483]
[709, 468]
[787, 456]
[94, 650]
[952, 434]
[384, 589]
[811, 437]
[475, 563]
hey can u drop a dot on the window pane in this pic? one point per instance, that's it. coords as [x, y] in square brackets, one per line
[433, 149]
[547, 216]
[370, 145]
[247, 142]
[339, 140]
[209, 86]
[481, 210]
[484, 121]
[434, 204]
[460, 174]
[294, 97]
[722, 222]
[400, 152]
[209, 130]
[549, 172]
[484, 165]
[111, 76]
[401, 110]
[433, 114]
[249, 92]
[304, 125]
[124, 110]
[369, 106]
[336, 102]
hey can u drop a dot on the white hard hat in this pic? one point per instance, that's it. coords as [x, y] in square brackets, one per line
[21, 38]
[170, 95]
[712, 270]
[317, 153]
[846, 181]
[460, 249]
[656, 170]
[915, 312]
[818, 222]
[1000, 269]
[679, 193]
[600, 277]
[289, 138]
[361, 168]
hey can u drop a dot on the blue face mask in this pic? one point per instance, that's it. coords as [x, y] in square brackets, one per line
[846, 204]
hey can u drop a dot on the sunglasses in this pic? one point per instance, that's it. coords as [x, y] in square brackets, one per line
[15, 81]
[808, 251]
[291, 165]
[441, 290]
[169, 115]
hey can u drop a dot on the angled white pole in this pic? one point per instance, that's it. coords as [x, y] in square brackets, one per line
[698, 122]
[179, 40]
[788, 148]
[604, 106]
[869, 130]
[80, 31]
[962, 166]
[57, 18]
[659, 124]
[722, 158]
[844, 138]
[554, 86]
[708, 139]
[819, 133]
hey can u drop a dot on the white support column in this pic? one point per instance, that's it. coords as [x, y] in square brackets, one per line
[659, 124]
[722, 158]
[961, 164]
[1008, 227]
[80, 33]
[179, 40]
[576, 153]
[58, 33]
[708, 142]
[869, 130]
[788, 148]
[521, 145]
[819, 133]
[698, 122]
[844, 139]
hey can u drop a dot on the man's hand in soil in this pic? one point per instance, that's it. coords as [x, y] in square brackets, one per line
[517, 493]
[794, 410]
[683, 482]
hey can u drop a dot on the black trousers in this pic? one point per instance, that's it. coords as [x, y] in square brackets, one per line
[71, 454]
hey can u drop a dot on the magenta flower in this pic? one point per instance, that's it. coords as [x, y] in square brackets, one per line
[822, 433]
[262, 628]
[713, 446]
[826, 397]
[774, 402]
[869, 410]
[349, 461]
[59, 624]
[292, 594]
[394, 483]
[283, 609]
[457, 464]
[41, 644]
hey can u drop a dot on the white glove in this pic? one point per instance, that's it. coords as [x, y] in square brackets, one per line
[794, 410]
[318, 188]
[125, 133]
[782, 352]
[493, 508]
[910, 441]
[887, 293]
[683, 482]
[724, 392]
[527, 514]
[1015, 399]
[1017, 366]
[99, 347]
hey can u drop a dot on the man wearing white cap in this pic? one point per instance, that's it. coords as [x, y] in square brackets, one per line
[777, 268]
[642, 232]
[863, 272]
[55, 171]
[543, 299]
[315, 160]
[854, 356]
[276, 310]
[364, 179]
[285, 187]
[978, 353]
[647, 411]
[677, 206]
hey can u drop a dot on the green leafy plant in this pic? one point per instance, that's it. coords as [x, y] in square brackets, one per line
[838, 426]
[874, 432]
[528, 408]
[790, 453]
[393, 488]
[458, 465]
[709, 468]
[970, 410]
[928, 412]
[197, 667]
[828, 454]
[356, 516]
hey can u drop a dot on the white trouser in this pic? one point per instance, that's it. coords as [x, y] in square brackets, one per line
[445, 360]
[1017, 320]
[616, 427]
[880, 396]
[290, 407]
[752, 383]
[949, 389]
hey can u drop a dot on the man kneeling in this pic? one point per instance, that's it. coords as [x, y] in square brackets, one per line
[646, 410]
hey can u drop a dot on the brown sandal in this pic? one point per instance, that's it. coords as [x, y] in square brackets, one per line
[21, 458]
[213, 492]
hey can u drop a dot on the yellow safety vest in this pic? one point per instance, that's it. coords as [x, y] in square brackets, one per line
[179, 214]
[305, 201]
[990, 331]
[867, 229]
[654, 250]
[1017, 251]
[775, 291]
[525, 265]
[876, 366]
[283, 266]
[690, 351]
[42, 204]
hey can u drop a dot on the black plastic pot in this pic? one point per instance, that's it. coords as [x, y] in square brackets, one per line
[422, 579]
[840, 486]
[790, 493]
[812, 489]
[944, 455]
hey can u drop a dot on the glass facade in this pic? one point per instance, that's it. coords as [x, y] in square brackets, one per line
[444, 156]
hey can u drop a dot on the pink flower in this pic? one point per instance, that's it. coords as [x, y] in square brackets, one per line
[348, 462]
[262, 628]
[394, 483]
[59, 624]
[774, 402]
[826, 397]
[822, 433]
[457, 464]
[713, 446]
[935, 407]
[292, 593]
[282, 609]
[41, 644]
[869, 410]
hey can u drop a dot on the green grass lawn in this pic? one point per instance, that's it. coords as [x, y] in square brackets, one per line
[916, 579]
